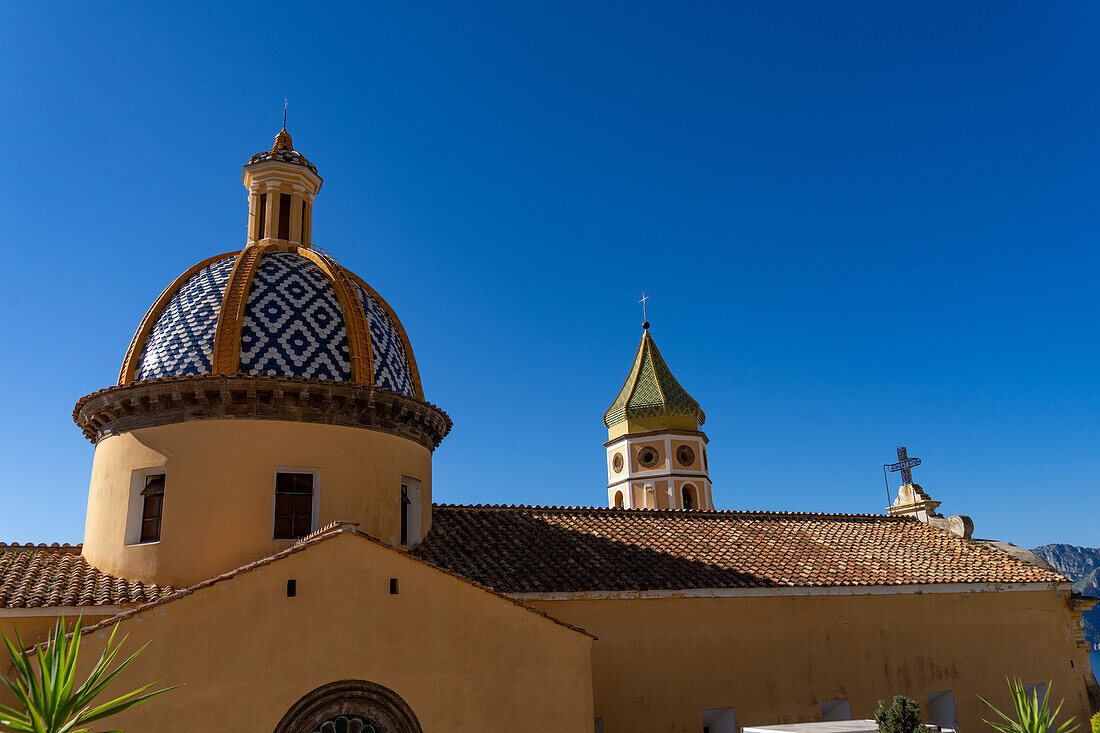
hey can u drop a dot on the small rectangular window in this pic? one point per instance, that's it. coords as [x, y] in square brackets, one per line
[393, 586]
[839, 709]
[293, 505]
[284, 216]
[599, 725]
[303, 235]
[152, 506]
[262, 221]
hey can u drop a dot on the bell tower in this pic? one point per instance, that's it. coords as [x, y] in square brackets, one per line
[656, 451]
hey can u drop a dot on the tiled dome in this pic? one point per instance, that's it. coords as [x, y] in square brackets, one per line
[273, 311]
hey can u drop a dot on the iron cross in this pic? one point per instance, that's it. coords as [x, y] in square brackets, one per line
[905, 465]
[642, 301]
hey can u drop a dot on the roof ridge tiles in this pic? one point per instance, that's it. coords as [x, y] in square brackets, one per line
[701, 513]
[40, 546]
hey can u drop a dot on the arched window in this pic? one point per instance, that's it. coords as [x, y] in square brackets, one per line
[689, 496]
[618, 500]
[350, 706]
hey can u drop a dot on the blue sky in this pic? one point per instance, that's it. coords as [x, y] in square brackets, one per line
[861, 225]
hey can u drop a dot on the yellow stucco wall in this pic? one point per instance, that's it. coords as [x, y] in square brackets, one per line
[219, 491]
[462, 658]
[657, 664]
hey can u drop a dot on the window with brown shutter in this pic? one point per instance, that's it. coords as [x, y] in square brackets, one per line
[152, 506]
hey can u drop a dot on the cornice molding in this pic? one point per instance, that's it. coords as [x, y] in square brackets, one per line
[156, 402]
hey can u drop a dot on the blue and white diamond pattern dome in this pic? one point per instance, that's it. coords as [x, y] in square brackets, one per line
[274, 313]
[293, 324]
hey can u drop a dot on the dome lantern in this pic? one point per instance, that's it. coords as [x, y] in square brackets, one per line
[281, 185]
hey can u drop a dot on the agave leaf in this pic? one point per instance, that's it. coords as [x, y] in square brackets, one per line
[86, 694]
[1032, 715]
[52, 704]
[125, 702]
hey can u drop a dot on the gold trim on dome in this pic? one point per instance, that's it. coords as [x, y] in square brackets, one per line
[355, 319]
[400, 330]
[227, 339]
[137, 344]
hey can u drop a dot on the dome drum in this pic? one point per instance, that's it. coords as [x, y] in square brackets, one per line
[152, 403]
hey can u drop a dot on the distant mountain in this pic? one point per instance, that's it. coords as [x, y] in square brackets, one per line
[1089, 585]
[1069, 560]
[1082, 564]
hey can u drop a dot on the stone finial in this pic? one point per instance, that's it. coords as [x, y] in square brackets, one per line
[912, 501]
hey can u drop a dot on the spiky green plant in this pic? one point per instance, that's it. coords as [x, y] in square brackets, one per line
[1096, 723]
[1032, 715]
[45, 684]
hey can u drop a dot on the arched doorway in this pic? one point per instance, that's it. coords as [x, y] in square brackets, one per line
[350, 706]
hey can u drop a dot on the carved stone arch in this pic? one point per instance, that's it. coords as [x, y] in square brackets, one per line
[379, 706]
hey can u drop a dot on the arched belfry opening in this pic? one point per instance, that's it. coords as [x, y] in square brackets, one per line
[350, 706]
[689, 497]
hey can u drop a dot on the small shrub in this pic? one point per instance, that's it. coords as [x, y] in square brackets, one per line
[903, 716]
[1096, 723]
[1033, 715]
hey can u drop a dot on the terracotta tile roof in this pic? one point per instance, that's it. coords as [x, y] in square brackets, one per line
[545, 549]
[39, 576]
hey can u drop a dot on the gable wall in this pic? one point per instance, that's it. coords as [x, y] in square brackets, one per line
[463, 659]
[658, 663]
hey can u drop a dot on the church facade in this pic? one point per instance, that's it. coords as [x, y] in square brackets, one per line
[260, 511]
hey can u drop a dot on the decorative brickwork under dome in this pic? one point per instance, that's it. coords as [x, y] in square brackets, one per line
[273, 310]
